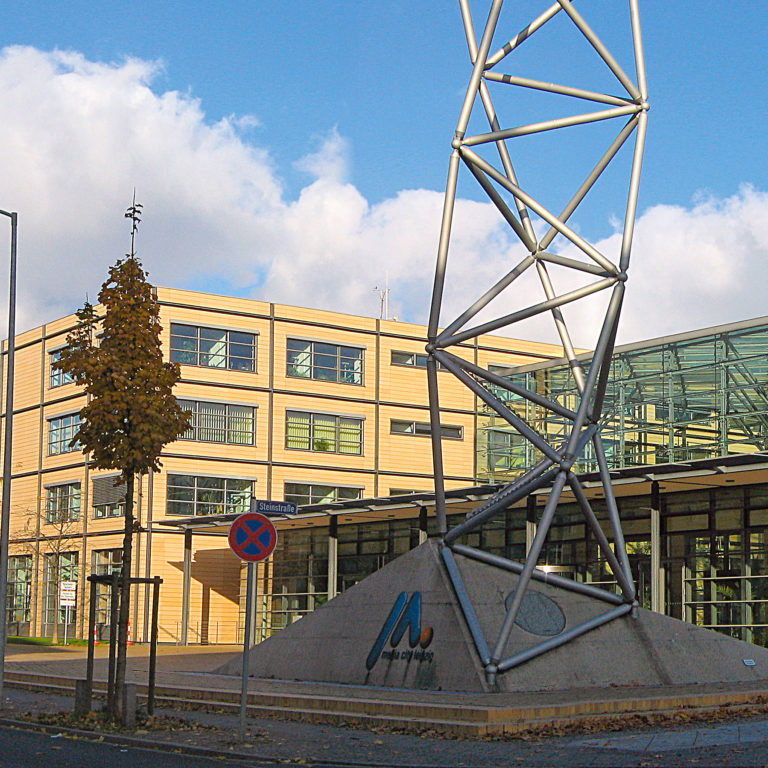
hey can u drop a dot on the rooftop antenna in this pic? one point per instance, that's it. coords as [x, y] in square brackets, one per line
[134, 214]
[383, 298]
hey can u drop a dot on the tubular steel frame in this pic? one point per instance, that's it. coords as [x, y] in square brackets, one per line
[554, 470]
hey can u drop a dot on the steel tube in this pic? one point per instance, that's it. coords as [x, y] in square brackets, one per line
[506, 160]
[469, 29]
[602, 541]
[466, 605]
[488, 296]
[530, 564]
[589, 182]
[437, 446]
[602, 51]
[494, 378]
[551, 125]
[605, 334]
[553, 579]
[503, 208]
[565, 90]
[637, 41]
[541, 211]
[561, 327]
[634, 189]
[564, 261]
[565, 637]
[524, 34]
[536, 478]
[442, 250]
[477, 70]
[523, 314]
[5, 523]
[525, 429]
[613, 510]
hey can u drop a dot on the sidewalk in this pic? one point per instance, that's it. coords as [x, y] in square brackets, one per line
[281, 740]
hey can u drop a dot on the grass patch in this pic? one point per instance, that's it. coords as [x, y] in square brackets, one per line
[16, 640]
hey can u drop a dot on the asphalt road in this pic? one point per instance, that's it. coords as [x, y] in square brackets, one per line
[745, 746]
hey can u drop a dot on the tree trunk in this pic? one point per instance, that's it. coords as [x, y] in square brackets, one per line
[125, 600]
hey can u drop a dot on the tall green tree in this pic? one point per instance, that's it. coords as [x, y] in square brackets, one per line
[131, 414]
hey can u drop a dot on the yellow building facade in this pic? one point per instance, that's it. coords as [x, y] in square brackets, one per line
[287, 403]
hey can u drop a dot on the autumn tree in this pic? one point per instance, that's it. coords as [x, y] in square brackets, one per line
[131, 412]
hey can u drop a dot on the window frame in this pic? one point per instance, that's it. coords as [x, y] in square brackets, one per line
[313, 439]
[309, 494]
[313, 367]
[198, 491]
[424, 429]
[57, 377]
[62, 443]
[68, 512]
[176, 351]
[416, 357]
[196, 428]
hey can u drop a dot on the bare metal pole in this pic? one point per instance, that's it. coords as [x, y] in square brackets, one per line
[7, 450]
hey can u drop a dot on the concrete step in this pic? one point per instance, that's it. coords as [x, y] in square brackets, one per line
[455, 719]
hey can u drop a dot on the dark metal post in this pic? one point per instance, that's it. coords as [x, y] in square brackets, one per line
[7, 450]
[186, 587]
[114, 599]
[91, 635]
[156, 581]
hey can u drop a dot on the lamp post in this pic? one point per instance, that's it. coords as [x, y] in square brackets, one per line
[7, 445]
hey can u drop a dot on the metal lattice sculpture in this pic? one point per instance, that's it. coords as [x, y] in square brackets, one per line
[508, 195]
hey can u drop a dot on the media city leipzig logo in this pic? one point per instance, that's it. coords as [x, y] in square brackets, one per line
[405, 615]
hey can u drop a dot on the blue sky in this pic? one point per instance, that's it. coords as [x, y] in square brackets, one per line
[365, 95]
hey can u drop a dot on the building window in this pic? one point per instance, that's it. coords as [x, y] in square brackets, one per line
[220, 423]
[213, 347]
[190, 495]
[108, 497]
[105, 563]
[506, 450]
[412, 359]
[323, 432]
[423, 429]
[61, 432]
[310, 493]
[325, 362]
[19, 588]
[58, 567]
[62, 503]
[58, 377]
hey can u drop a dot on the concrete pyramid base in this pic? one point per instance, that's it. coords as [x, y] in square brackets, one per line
[402, 627]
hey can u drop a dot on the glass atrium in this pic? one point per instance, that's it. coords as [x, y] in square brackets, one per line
[692, 396]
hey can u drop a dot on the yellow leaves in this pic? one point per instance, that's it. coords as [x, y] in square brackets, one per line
[132, 413]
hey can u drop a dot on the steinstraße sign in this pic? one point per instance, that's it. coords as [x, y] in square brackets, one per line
[252, 537]
[264, 507]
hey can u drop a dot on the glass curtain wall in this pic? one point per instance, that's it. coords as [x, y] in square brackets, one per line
[683, 400]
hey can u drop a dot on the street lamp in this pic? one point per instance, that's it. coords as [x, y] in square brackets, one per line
[8, 443]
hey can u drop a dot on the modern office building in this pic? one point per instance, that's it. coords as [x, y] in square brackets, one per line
[287, 403]
[330, 411]
[686, 430]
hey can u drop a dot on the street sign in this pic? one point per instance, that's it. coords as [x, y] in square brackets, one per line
[265, 507]
[252, 537]
[68, 594]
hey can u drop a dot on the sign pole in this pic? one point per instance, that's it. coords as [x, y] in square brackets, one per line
[246, 645]
[66, 623]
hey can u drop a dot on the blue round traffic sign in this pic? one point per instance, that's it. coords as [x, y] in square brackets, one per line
[252, 537]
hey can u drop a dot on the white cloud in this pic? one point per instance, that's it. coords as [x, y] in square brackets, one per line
[78, 136]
